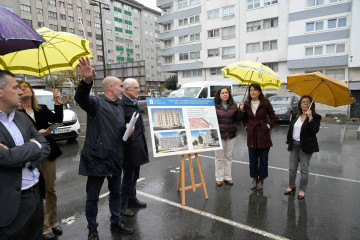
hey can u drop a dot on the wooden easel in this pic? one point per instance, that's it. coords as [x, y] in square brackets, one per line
[181, 177]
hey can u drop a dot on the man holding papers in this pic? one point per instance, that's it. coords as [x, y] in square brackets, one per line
[102, 154]
[135, 149]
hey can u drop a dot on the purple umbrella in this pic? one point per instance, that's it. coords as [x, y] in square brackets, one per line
[16, 34]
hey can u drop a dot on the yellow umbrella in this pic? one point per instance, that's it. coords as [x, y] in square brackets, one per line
[247, 72]
[321, 88]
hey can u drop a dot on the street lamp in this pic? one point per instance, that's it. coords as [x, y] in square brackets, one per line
[106, 7]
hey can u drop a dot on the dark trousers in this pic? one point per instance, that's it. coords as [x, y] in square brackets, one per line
[29, 221]
[93, 187]
[128, 187]
[259, 162]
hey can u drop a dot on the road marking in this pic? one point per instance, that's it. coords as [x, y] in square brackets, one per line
[68, 220]
[214, 217]
[286, 169]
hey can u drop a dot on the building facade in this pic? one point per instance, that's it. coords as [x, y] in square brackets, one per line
[199, 37]
[167, 119]
[129, 29]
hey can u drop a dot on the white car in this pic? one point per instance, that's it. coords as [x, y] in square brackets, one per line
[70, 128]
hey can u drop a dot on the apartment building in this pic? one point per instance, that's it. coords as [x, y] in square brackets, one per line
[199, 37]
[129, 28]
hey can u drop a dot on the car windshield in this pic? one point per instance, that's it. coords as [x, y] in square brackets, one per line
[189, 92]
[280, 100]
[46, 100]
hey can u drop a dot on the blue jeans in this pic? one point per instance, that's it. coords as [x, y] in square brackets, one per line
[128, 187]
[259, 162]
[93, 187]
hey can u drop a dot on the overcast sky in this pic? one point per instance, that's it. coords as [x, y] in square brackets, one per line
[149, 3]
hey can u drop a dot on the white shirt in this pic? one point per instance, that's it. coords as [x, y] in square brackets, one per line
[297, 129]
[29, 177]
[254, 106]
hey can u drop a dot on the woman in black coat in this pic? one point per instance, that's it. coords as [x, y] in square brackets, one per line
[40, 115]
[302, 143]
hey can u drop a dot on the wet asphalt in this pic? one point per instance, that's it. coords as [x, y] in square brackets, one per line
[331, 209]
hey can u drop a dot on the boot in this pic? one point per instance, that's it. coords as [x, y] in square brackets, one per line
[254, 183]
[260, 184]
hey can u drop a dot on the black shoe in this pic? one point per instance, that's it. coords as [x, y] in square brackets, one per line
[49, 236]
[289, 192]
[301, 197]
[57, 230]
[93, 234]
[121, 228]
[127, 212]
[137, 204]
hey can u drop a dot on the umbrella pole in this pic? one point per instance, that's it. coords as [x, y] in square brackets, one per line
[314, 96]
[247, 88]
[52, 81]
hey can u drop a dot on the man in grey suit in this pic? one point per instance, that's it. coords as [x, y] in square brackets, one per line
[22, 149]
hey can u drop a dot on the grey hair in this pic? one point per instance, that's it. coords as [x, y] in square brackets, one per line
[127, 83]
[3, 80]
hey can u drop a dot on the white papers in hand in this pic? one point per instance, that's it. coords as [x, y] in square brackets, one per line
[132, 122]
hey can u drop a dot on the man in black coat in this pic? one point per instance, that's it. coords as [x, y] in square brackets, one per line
[22, 185]
[102, 154]
[136, 152]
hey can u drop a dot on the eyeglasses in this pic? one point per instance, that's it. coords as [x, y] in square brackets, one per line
[136, 88]
[306, 101]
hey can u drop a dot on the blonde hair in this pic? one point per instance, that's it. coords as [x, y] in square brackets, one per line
[34, 103]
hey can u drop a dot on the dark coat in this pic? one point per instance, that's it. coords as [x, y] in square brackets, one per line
[136, 151]
[102, 154]
[12, 161]
[42, 119]
[308, 140]
[258, 133]
[227, 119]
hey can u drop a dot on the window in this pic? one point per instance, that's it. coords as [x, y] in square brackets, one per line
[100, 58]
[270, 2]
[336, 73]
[313, 3]
[253, 47]
[228, 32]
[166, 10]
[25, 8]
[167, 27]
[78, 9]
[228, 52]
[97, 25]
[253, 4]
[28, 21]
[189, 20]
[40, 24]
[98, 36]
[52, 15]
[99, 47]
[273, 65]
[71, 19]
[270, 23]
[212, 14]
[195, 37]
[167, 43]
[61, 4]
[213, 52]
[63, 29]
[213, 33]
[167, 59]
[88, 23]
[335, 48]
[79, 20]
[8, 8]
[39, 11]
[183, 39]
[253, 26]
[338, 22]
[81, 33]
[88, 12]
[314, 26]
[193, 2]
[228, 12]
[96, 14]
[70, 6]
[269, 45]
[194, 55]
[316, 50]
[52, 2]
[215, 71]
[182, 3]
[194, 19]
[71, 30]
[183, 56]
[53, 27]
[192, 73]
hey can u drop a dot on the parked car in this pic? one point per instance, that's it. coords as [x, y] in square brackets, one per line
[285, 107]
[202, 89]
[142, 102]
[172, 94]
[70, 128]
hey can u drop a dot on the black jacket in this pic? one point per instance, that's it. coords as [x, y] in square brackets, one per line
[308, 132]
[102, 154]
[42, 119]
[136, 151]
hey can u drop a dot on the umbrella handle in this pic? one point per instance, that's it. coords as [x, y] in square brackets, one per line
[62, 103]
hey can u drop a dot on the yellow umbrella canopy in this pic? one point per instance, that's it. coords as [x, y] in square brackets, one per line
[321, 88]
[247, 72]
[59, 52]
